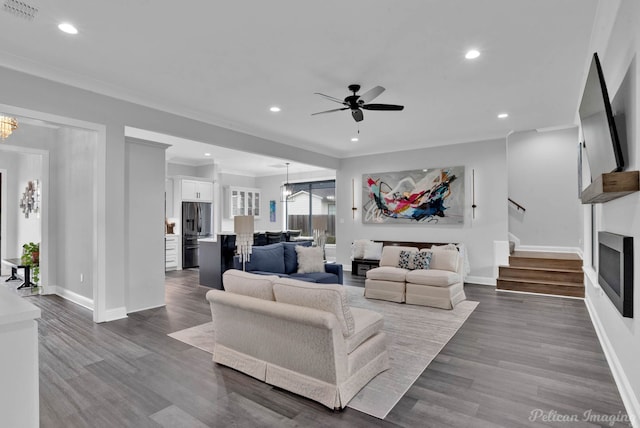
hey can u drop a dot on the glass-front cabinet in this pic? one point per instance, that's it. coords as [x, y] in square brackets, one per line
[242, 201]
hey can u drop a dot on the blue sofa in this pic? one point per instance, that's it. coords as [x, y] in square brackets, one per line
[281, 259]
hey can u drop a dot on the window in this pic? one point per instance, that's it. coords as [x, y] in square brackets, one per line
[312, 202]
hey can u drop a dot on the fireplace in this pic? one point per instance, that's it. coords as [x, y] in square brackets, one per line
[615, 270]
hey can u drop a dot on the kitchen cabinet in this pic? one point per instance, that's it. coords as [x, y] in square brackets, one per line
[242, 201]
[171, 252]
[193, 190]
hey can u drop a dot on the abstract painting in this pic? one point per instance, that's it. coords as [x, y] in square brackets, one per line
[272, 211]
[422, 196]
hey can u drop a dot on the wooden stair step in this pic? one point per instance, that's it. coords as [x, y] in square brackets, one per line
[544, 287]
[543, 274]
[546, 255]
[543, 259]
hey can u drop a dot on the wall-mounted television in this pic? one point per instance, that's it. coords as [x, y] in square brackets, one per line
[604, 151]
[615, 270]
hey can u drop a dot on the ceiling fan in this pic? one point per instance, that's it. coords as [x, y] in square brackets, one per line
[359, 102]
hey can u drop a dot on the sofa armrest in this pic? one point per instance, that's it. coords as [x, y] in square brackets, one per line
[336, 269]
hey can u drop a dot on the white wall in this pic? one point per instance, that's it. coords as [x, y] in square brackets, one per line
[620, 336]
[180, 169]
[72, 210]
[145, 178]
[488, 158]
[543, 178]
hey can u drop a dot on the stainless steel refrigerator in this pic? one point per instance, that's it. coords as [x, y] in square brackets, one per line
[196, 224]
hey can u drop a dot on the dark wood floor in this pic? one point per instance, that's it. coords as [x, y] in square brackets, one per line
[515, 354]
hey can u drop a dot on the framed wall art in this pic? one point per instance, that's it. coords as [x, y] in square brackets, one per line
[422, 196]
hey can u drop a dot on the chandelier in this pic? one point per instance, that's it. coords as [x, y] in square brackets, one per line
[7, 126]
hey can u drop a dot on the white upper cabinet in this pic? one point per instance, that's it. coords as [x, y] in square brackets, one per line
[242, 201]
[201, 191]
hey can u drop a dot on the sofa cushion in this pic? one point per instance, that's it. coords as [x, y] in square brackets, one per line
[319, 277]
[387, 273]
[249, 284]
[310, 259]
[290, 255]
[325, 297]
[444, 259]
[391, 255]
[267, 258]
[434, 277]
[367, 323]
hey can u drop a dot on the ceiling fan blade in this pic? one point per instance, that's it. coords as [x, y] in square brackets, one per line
[329, 111]
[371, 94]
[330, 98]
[387, 107]
[357, 115]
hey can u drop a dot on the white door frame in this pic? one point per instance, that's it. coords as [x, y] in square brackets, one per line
[99, 203]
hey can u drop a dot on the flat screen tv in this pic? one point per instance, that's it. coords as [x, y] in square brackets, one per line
[601, 141]
[615, 270]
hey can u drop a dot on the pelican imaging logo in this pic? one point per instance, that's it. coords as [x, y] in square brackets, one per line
[424, 196]
[589, 416]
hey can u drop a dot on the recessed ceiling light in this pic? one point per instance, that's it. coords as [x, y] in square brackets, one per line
[68, 28]
[207, 154]
[275, 109]
[503, 115]
[354, 140]
[472, 54]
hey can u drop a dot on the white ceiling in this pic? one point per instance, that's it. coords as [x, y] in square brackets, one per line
[227, 62]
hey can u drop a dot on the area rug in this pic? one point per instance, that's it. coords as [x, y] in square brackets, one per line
[416, 334]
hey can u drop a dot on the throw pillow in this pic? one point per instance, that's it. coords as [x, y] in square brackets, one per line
[413, 260]
[291, 257]
[266, 258]
[422, 260]
[373, 251]
[405, 261]
[310, 259]
[358, 248]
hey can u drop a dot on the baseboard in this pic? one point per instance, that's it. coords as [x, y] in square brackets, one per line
[71, 296]
[539, 294]
[549, 248]
[161, 305]
[115, 314]
[481, 280]
[631, 404]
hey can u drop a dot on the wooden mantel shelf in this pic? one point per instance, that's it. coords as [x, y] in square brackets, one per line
[611, 186]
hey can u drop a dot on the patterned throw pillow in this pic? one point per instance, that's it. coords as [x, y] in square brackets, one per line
[413, 260]
[406, 259]
[422, 260]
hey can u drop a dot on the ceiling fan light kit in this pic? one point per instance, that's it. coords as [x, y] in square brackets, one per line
[356, 103]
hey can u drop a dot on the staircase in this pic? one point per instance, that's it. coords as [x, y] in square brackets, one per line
[543, 272]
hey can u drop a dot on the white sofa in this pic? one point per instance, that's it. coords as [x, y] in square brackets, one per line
[440, 286]
[299, 336]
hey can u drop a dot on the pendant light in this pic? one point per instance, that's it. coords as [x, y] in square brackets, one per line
[286, 189]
